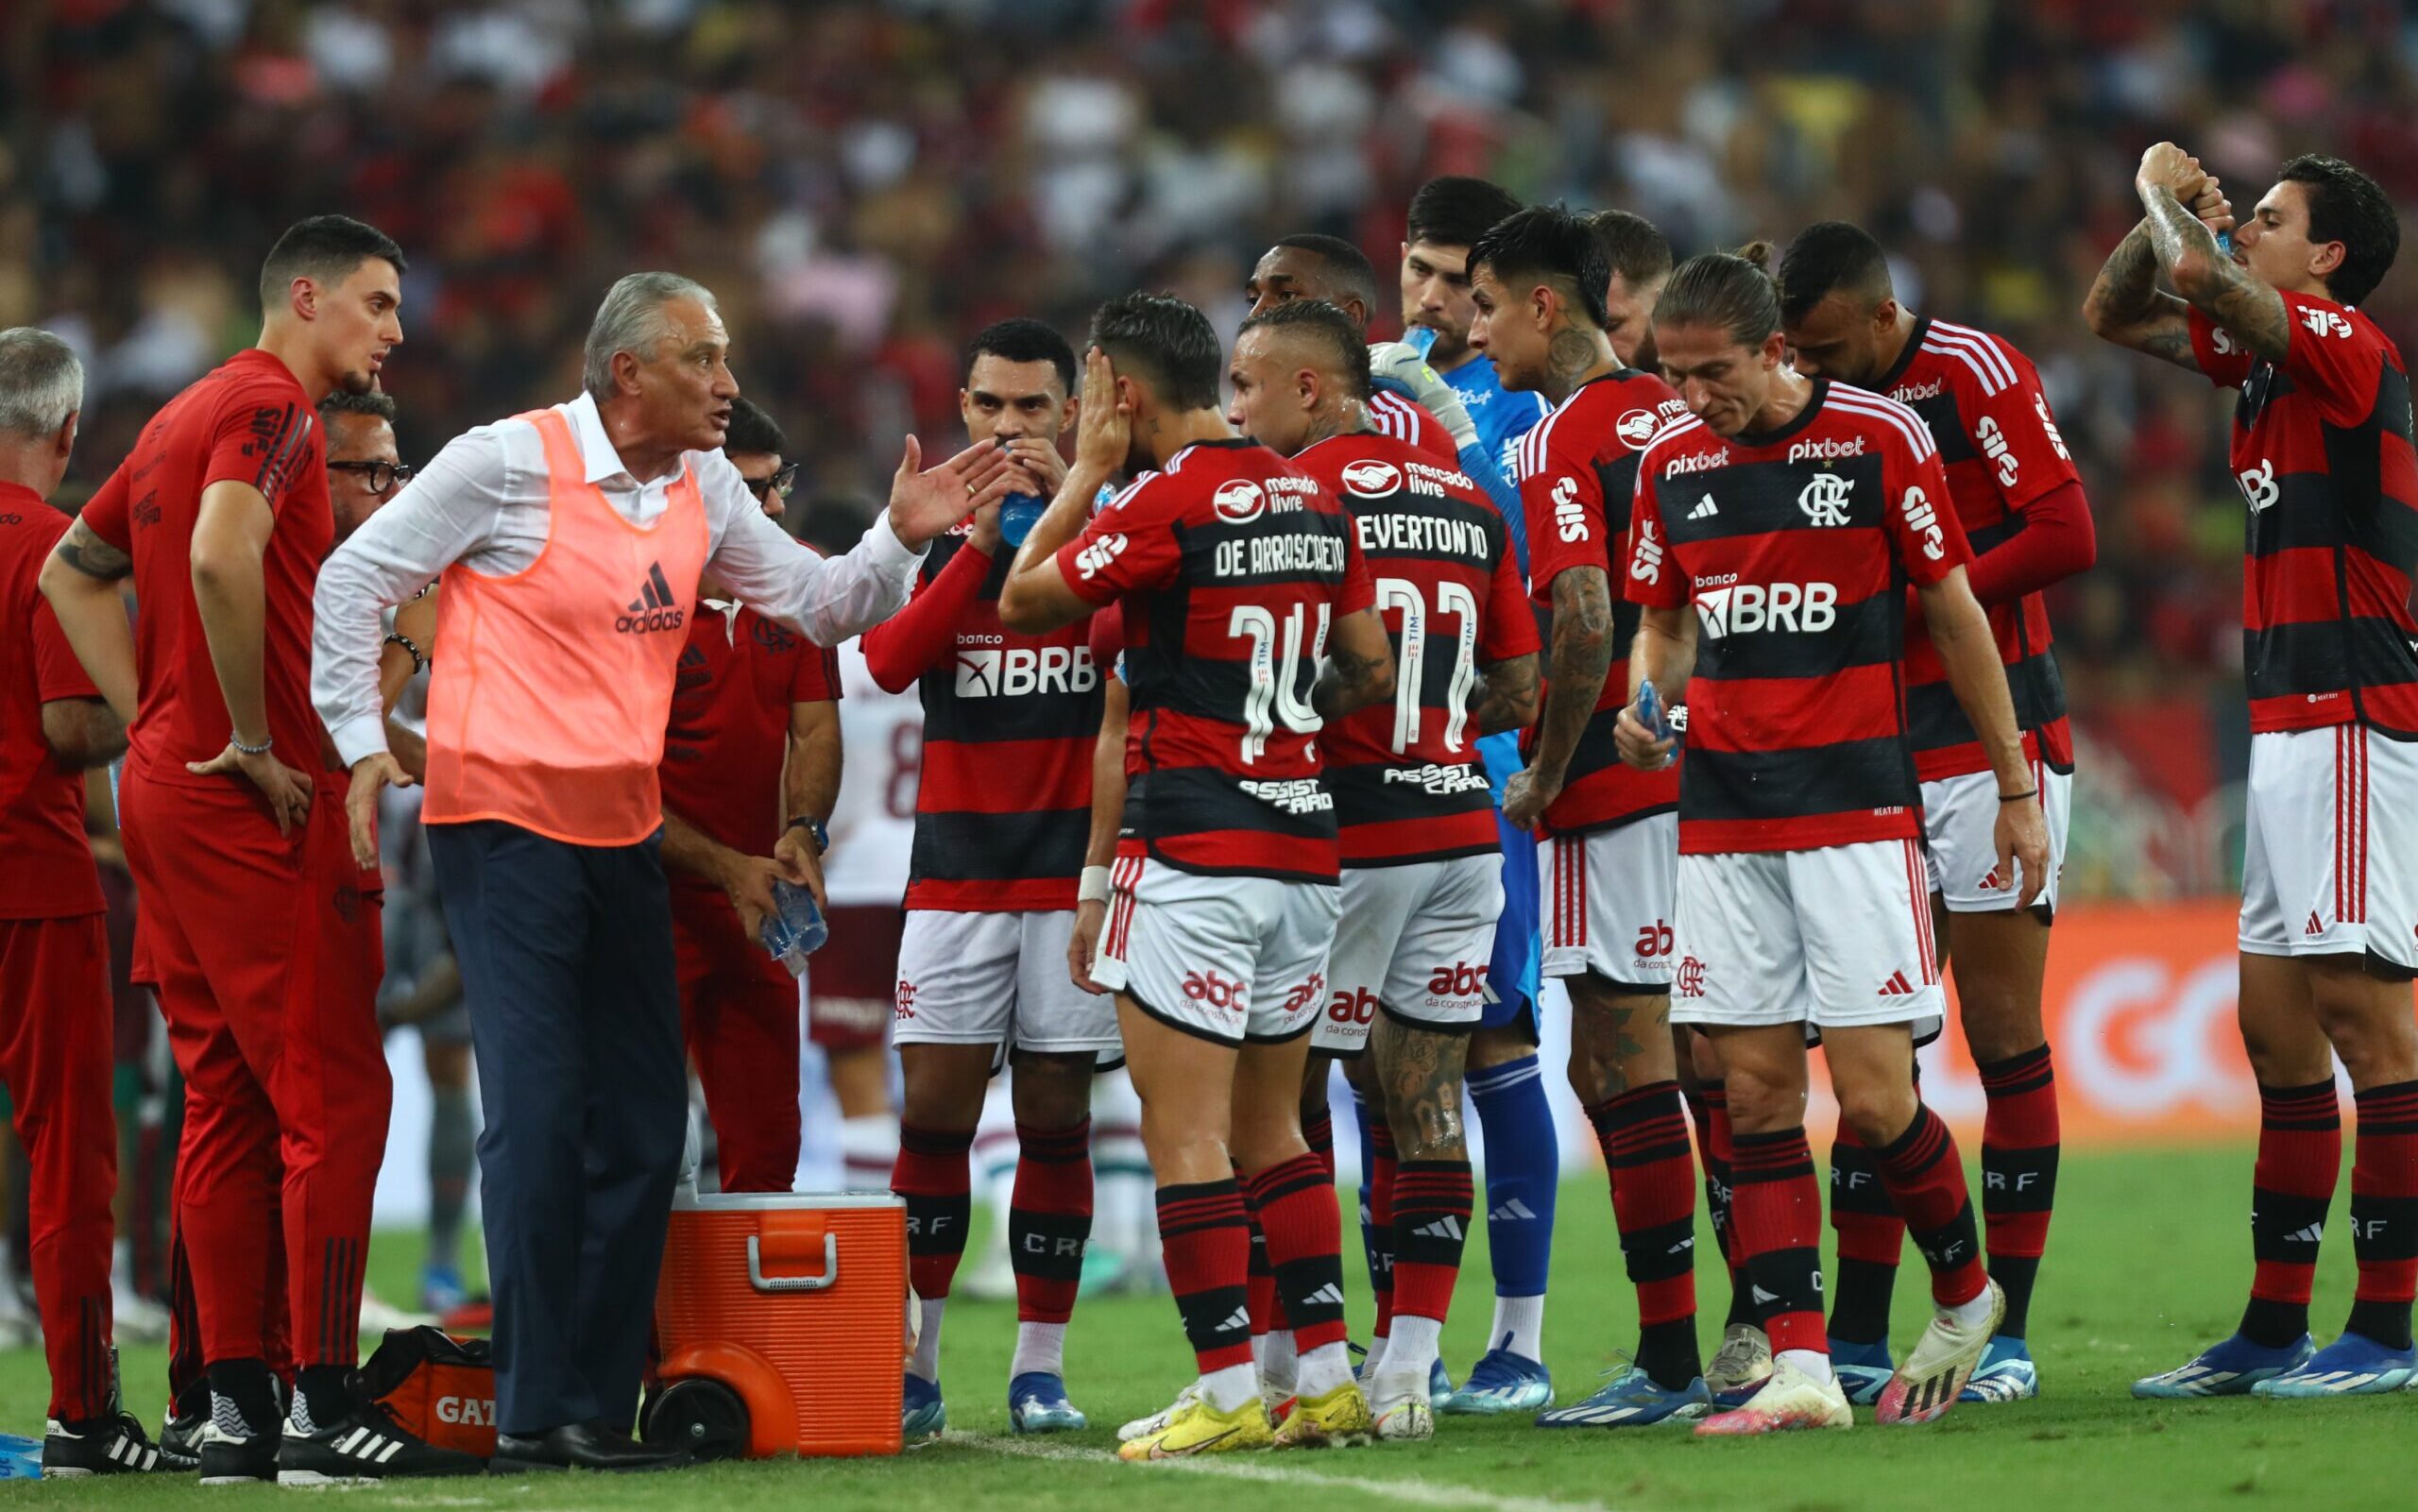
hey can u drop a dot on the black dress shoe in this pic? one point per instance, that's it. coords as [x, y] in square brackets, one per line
[581, 1446]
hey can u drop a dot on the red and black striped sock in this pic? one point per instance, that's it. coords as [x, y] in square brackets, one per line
[1926, 1179]
[2300, 1158]
[2384, 1213]
[1719, 1200]
[1049, 1219]
[1778, 1216]
[1377, 1228]
[1296, 1204]
[1432, 1201]
[1643, 1135]
[1267, 1313]
[1317, 1131]
[1204, 1233]
[2019, 1147]
[934, 1175]
[1871, 1238]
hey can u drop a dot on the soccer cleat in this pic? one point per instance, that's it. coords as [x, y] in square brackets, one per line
[2229, 1367]
[1501, 1384]
[367, 1446]
[2352, 1365]
[1037, 1404]
[922, 1414]
[1335, 1419]
[1195, 1427]
[1157, 1423]
[441, 1290]
[1789, 1402]
[235, 1459]
[1864, 1370]
[1740, 1366]
[114, 1445]
[1408, 1420]
[1632, 1398]
[1941, 1361]
[2006, 1373]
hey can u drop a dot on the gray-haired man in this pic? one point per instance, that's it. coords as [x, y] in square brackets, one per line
[570, 541]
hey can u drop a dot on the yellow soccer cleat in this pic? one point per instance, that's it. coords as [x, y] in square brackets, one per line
[1338, 1419]
[1195, 1427]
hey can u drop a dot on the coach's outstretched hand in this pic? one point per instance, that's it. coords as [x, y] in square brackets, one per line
[370, 775]
[288, 792]
[926, 501]
[2022, 837]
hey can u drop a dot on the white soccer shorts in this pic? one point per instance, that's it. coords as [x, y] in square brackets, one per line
[1960, 815]
[2330, 848]
[1413, 940]
[997, 978]
[1608, 902]
[1834, 938]
[1226, 958]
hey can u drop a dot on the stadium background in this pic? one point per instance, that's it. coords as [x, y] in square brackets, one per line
[865, 184]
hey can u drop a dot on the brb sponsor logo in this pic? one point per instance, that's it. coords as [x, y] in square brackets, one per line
[1217, 992]
[1807, 607]
[470, 1412]
[1013, 672]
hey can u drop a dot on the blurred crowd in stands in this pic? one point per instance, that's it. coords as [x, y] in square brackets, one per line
[866, 183]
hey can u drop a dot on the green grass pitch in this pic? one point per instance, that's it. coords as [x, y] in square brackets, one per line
[2148, 1261]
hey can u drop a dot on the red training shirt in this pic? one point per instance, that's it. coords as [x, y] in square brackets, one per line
[729, 733]
[48, 871]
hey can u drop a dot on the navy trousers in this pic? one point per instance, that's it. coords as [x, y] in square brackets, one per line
[566, 964]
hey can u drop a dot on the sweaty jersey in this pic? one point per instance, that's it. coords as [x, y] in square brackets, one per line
[1999, 444]
[727, 735]
[1577, 473]
[1232, 566]
[246, 421]
[1003, 811]
[2321, 445]
[1405, 774]
[1796, 547]
[49, 872]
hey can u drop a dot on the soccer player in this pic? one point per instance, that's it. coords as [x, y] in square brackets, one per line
[1772, 539]
[751, 765]
[222, 515]
[1313, 266]
[1638, 256]
[2321, 445]
[54, 944]
[1536, 279]
[1001, 815]
[1235, 574]
[1447, 216]
[1422, 886]
[2022, 508]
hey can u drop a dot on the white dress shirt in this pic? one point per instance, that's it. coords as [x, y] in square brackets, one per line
[483, 502]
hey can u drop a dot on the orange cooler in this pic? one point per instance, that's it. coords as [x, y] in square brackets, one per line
[778, 1319]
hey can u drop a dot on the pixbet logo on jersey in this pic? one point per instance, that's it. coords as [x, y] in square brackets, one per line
[1012, 672]
[1808, 608]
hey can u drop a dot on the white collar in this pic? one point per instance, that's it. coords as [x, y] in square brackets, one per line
[595, 443]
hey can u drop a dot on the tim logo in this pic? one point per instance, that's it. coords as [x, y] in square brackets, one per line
[655, 608]
[1013, 672]
[1689, 978]
[1369, 478]
[1824, 499]
[1237, 500]
[470, 1412]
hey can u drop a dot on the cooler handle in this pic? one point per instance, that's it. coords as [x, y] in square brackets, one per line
[762, 1283]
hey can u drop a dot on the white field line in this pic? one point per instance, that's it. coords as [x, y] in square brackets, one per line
[1405, 1492]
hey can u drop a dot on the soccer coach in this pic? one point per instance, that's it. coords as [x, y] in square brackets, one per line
[569, 542]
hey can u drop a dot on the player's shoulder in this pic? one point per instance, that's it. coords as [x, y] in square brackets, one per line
[1681, 433]
[2315, 318]
[1888, 422]
[1971, 361]
[1369, 464]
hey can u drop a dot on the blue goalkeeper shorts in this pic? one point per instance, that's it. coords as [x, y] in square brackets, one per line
[1513, 979]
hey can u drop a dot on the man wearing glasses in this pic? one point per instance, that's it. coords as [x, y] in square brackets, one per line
[751, 767]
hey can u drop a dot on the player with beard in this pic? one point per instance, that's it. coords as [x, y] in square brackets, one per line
[2023, 507]
[1248, 614]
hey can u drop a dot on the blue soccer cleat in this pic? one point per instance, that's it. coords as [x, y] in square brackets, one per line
[2352, 1365]
[1632, 1398]
[1037, 1404]
[1500, 1384]
[2228, 1368]
[922, 1415]
[2006, 1373]
[1864, 1370]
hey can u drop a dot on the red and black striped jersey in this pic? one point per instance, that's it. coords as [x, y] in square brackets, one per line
[2321, 445]
[1408, 421]
[1577, 473]
[1004, 807]
[1999, 444]
[727, 733]
[1795, 548]
[1231, 565]
[1406, 776]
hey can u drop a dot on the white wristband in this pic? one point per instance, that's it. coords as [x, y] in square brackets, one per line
[1094, 887]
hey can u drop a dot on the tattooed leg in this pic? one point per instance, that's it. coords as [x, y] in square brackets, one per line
[1419, 1071]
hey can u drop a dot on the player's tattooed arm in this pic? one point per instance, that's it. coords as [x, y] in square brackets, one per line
[2224, 291]
[2127, 306]
[91, 556]
[1423, 1088]
[1506, 697]
[1359, 668]
[1583, 649]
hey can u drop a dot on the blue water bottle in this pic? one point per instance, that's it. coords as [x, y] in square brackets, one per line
[795, 929]
[1017, 514]
[1650, 712]
[19, 1457]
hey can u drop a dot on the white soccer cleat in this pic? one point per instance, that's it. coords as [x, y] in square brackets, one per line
[1741, 1366]
[1943, 1359]
[1157, 1423]
[1789, 1402]
[1409, 1420]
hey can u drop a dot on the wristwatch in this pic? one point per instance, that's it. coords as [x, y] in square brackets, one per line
[816, 831]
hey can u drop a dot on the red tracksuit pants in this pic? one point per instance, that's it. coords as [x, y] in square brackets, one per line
[738, 1010]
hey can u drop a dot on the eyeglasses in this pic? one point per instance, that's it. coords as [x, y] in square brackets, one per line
[381, 477]
[771, 486]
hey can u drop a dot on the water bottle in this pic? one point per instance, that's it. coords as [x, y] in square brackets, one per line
[19, 1457]
[1017, 514]
[795, 929]
[1650, 712]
